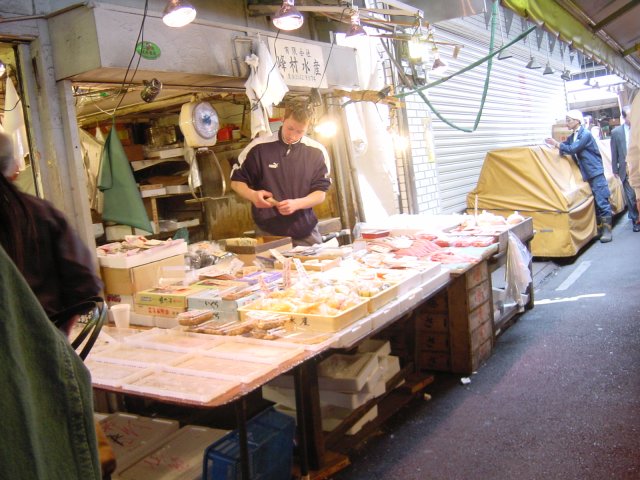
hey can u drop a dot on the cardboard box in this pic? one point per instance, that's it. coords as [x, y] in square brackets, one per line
[247, 251]
[166, 297]
[157, 311]
[127, 281]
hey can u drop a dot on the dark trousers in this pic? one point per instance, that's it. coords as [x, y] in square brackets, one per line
[630, 201]
[601, 194]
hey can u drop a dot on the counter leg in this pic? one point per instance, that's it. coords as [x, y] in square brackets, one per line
[241, 421]
[309, 417]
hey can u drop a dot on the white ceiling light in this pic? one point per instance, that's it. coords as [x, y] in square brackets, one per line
[178, 13]
[288, 17]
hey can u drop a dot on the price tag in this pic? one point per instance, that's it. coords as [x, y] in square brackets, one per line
[302, 273]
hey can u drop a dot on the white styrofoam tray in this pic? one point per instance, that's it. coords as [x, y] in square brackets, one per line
[254, 350]
[127, 354]
[142, 257]
[220, 367]
[179, 386]
[346, 373]
[109, 374]
[174, 340]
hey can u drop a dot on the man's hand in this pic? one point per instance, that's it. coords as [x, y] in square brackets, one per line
[287, 207]
[552, 142]
[264, 199]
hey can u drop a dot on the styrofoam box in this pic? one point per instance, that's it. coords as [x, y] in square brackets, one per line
[381, 348]
[179, 386]
[351, 334]
[254, 350]
[180, 458]
[141, 320]
[174, 340]
[126, 354]
[346, 373]
[390, 366]
[169, 249]
[218, 367]
[329, 422]
[111, 374]
[388, 313]
[286, 397]
[132, 437]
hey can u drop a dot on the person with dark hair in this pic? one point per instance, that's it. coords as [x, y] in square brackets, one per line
[584, 150]
[619, 145]
[284, 175]
[55, 262]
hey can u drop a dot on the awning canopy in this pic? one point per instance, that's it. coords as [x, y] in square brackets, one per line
[608, 34]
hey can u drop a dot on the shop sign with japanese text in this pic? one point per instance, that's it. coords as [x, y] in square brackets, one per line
[300, 64]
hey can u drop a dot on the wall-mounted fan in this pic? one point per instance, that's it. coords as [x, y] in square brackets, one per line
[199, 124]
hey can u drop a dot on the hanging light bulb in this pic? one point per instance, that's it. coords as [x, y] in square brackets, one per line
[548, 69]
[439, 66]
[355, 29]
[288, 17]
[178, 13]
[326, 127]
[566, 75]
[418, 49]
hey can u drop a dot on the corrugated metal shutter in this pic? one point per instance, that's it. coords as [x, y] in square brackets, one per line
[520, 108]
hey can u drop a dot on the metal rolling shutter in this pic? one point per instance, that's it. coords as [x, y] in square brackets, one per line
[521, 105]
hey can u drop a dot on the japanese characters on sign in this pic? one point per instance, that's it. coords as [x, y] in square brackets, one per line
[300, 64]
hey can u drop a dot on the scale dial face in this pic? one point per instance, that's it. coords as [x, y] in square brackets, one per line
[205, 120]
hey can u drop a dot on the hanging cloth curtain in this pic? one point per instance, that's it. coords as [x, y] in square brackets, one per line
[122, 201]
[265, 87]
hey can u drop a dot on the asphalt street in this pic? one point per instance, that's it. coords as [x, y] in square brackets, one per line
[558, 399]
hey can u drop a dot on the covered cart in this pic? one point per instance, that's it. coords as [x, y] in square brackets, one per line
[540, 183]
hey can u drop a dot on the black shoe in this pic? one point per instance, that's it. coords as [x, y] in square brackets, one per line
[636, 227]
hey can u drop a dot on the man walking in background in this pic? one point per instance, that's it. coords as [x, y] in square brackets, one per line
[619, 145]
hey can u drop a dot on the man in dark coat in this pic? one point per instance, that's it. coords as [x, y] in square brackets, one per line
[619, 144]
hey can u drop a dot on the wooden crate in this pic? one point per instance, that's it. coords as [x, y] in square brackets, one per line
[454, 329]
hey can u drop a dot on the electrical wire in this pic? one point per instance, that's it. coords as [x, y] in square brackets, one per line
[139, 40]
[488, 58]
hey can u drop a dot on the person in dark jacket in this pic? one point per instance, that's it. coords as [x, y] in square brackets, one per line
[619, 145]
[284, 175]
[584, 150]
[55, 262]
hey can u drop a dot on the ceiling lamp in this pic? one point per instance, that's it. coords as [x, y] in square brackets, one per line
[532, 64]
[288, 17]
[3, 68]
[355, 29]
[439, 66]
[566, 75]
[151, 90]
[548, 70]
[178, 13]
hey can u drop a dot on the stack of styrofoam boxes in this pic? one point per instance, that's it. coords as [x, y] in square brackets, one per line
[346, 383]
[133, 437]
[154, 449]
[126, 275]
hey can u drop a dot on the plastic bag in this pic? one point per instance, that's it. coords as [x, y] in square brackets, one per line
[518, 274]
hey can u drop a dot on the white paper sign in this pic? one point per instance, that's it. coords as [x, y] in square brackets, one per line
[300, 64]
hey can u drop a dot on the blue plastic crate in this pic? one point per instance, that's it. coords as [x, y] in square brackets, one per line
[270, 440]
